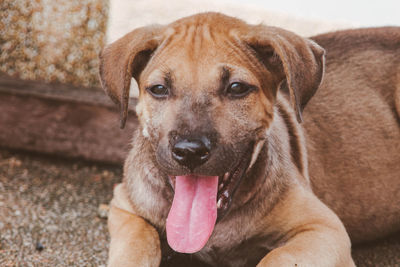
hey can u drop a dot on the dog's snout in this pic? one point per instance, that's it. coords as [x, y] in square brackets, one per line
[191, 152]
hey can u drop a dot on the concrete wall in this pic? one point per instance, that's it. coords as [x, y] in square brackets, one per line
[52, 40]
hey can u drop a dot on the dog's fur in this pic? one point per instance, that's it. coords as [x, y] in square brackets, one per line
[345, 155]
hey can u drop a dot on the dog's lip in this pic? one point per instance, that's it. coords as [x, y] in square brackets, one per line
[227, 186]
[222, 180]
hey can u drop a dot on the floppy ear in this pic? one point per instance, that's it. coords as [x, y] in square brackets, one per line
[298, 61]
[124, 59]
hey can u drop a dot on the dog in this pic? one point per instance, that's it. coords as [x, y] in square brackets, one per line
[229, 168]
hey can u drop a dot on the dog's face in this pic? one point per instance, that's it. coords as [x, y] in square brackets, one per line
[204, 94]
[208, 85]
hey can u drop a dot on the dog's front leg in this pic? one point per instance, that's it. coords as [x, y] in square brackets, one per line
[312, 234]
[134, 242]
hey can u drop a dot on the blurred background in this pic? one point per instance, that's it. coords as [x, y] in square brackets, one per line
[61, 149]
[364, 13]
[55, 40]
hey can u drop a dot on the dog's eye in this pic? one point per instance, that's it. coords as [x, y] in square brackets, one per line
[237, 89]
[158, 91]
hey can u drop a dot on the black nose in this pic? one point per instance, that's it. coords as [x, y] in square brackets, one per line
[192, 152]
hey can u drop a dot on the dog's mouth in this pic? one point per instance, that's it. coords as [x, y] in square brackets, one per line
[199, 201]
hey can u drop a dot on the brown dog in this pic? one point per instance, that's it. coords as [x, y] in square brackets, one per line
[219, 166]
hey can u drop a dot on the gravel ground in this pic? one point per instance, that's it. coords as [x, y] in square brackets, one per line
[49, 214]
[48, 211]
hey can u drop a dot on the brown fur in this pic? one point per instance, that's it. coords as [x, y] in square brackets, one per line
[275, 218]
[359, 158]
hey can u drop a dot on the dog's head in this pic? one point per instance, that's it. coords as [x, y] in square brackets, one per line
[208, 85]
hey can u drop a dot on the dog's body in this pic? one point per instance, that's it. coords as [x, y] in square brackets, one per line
[272, 217]
[353, 133]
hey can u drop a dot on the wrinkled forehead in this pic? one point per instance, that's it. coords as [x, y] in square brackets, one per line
[194, 39]
[199, 53]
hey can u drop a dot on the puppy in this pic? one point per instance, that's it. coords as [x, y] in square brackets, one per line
[222, 170]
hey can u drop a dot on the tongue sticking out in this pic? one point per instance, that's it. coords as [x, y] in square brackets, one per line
[193, 213]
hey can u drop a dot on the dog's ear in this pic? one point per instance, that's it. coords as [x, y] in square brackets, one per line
[124, 59]
[298, 62]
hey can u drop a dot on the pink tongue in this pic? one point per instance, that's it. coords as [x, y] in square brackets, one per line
[193, 213]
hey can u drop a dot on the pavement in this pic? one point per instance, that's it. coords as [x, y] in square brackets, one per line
[49, 214]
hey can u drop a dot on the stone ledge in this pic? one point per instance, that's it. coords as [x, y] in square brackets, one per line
[62, 120]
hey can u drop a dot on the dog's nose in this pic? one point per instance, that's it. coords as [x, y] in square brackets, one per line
[191, 152]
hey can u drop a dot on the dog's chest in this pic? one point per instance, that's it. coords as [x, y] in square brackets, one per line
[232, 244]
[248, 253]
